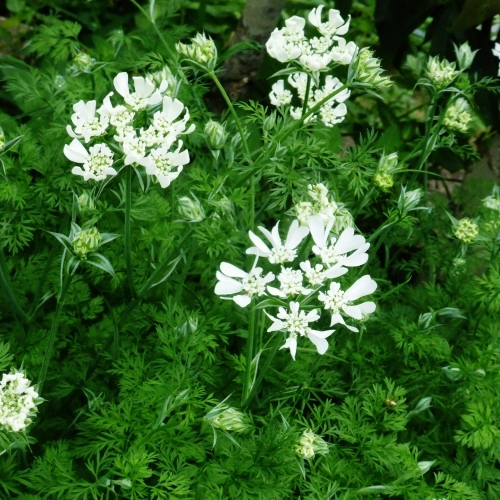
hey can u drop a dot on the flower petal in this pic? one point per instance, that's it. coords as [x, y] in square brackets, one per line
[364, 286]
[233, 271]
[121, 84]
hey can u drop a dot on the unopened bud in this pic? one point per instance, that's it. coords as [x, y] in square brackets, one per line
[86, 241]
[85, 203]
[466, 230]
[2, 139]
[228, 419]
[383, 180]
[215, 134]
[409, 200]
[441, 72]
[310, 444]
[465, 56]
[191, 208]
[201, 50]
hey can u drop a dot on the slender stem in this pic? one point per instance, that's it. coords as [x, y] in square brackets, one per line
[53, 331]
[7, 288]
[295, 125]
[127, 229]
[236, 118]
[306, 97]
[247, 385]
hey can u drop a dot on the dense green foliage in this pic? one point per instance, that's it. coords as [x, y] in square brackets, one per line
[143, 354]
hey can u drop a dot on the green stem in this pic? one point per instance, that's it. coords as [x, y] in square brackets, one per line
[7, 288]
[127, 229]
[306, 97]
[53, 332]
[236, 118]
[249, 357]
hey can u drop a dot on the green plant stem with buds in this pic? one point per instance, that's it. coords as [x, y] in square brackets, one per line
[53, 330]
[127, 229]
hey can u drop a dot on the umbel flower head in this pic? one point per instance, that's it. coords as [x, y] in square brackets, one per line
[18, 401]
[156, 145]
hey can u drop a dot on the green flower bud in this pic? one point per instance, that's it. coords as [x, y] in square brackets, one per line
[311, 444]
[369, 71]
[228, 419]
[441, 72]
[457, 116]
[409, 200]
[85, 203]
[465, 56]
[466, 230]
[383, 181]
[85, 242]
[215, 134]
[83, 62]
[201, 50]
[191, 209]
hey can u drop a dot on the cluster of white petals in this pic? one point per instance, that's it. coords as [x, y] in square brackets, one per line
[311, 57]
[329, 252]
[156, 147]
[18, 402]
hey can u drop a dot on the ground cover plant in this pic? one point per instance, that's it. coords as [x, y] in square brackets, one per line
[270, 288]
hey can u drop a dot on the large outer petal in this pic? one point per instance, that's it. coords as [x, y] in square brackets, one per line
[260, 246]
[233, 271]
[121, 84]
[291, 343]
[295, 235]
[364, 286]
[172, 108]
[242, 300]
[76, 152]
[320, 342]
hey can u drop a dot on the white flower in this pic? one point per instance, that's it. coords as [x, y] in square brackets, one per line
[318, 274]
[96, 162]
[161, 163]
[17, 402]
[279, 96]
[343, 52]
[291, 283]
[296, 323]
[335, 24]
[245, 286]
[119, 116]
[285, 44]
[279, 253]
[145, 93]
[164, 121]
[336, 252]
[133, 147]
[87, 125]
[339, 302]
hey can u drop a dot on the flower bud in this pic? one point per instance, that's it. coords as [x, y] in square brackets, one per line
[383, 180]
[368, 70]
[86, 241]
[441, 72]
[83, 62]
[201, 50]
[465, 56]
[2, 138]
[409, 200]
[310, 444]
[215, 134]
[228, 419]
[466, 230]
[191, 209]
[457, 116]
[85, 203]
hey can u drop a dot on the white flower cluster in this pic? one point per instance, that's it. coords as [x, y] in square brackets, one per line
[18, 402]
[156, 147]
[311, 57]
[331, 254]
